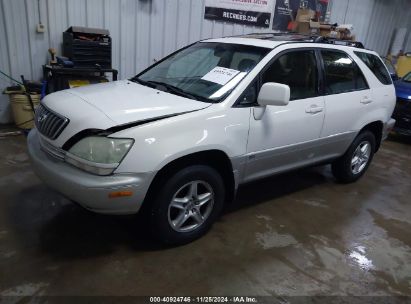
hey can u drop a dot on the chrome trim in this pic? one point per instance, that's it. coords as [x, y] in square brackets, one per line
[49, 123]
[89, 166]
[90, 163]
[51, 150]
[281, 159]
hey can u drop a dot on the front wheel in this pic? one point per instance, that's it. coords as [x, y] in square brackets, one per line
[355, 162]
[187, 204]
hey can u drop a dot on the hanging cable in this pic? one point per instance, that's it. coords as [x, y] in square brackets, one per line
[9, 77]
[38, 7]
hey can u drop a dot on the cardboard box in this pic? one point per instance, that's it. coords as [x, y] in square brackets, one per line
[325, 32]
[307, 28]
[315, 24]
[304, 15]
[325, 26]
[334, 34]
[303, 28]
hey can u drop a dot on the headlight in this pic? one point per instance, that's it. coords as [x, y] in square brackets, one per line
[99, 155]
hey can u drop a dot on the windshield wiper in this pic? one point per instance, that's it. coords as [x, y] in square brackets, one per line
[143, 82]
[170, 88]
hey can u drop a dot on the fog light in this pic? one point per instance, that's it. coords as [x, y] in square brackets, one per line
[120, 194]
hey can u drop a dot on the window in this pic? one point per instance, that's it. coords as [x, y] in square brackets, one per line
[375, 64]
[191, 71]
[298, 70]
[249, 96]
[407, 77]
[341, 73]
[200, 61]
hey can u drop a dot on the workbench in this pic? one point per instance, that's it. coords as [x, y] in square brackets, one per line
[57, 76]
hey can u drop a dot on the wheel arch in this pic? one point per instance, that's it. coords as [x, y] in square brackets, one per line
[376, 127]
[216, 159]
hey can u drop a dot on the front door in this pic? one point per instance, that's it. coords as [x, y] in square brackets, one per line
[284, 137]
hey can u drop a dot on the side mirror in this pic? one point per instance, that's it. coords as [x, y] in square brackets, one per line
[274, 94]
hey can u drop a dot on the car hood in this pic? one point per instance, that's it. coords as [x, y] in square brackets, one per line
[403, 89]
[108, 105]
[126, 101]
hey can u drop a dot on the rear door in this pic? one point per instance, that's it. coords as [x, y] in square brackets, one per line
[347, 97]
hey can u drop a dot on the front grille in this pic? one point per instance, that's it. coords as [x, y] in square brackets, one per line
[49, 123]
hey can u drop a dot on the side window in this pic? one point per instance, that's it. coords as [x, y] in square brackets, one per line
[249, 96]
[375, 64]
[341, 73]
[361, 83]
[298, 70]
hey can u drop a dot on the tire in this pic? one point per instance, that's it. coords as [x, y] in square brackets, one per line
[355, 162]
[190, 216]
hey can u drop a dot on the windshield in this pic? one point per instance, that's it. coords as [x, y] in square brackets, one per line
[205, 71]
[407, 77]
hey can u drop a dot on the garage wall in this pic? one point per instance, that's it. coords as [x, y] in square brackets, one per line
[147, 30]
[408, 45]
[374, 20]
[142, 30]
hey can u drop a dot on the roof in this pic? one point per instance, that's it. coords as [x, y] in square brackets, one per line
[272, 40]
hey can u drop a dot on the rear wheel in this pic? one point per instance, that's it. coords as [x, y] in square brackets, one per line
[355, 162]
[187, 204]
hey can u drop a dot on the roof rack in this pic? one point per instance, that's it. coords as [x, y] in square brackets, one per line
[296, 37]
[322, 39]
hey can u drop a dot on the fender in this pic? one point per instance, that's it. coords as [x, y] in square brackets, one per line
[98, 132]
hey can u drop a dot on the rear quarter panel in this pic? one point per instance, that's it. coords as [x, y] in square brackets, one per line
[383, 96]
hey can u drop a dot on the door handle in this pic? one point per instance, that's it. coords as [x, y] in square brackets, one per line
[366, 100]
[314, 109]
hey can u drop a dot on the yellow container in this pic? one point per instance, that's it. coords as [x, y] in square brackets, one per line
[22, 110]
[403, 65]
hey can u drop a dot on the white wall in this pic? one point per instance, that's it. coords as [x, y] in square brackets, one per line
[142, 31]
[374, 20]
[146, 30]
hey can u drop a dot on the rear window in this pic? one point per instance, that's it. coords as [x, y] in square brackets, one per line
[375, 64]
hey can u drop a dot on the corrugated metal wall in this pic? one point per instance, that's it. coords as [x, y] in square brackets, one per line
[374, 20]
[142, 30]
[146, 30]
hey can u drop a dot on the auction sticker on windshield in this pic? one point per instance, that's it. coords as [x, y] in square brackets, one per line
[220, 75]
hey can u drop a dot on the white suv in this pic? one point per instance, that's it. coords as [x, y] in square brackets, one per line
[178, 139]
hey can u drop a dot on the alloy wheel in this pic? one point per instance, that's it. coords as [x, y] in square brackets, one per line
[360, 157]
[190, 206]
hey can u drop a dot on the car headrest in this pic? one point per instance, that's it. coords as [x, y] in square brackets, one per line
[246, 65]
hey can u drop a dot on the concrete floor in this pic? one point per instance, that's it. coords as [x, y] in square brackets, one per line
[295, 234]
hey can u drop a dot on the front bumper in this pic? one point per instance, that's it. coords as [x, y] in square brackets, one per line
[401, 131]
[90, 191]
